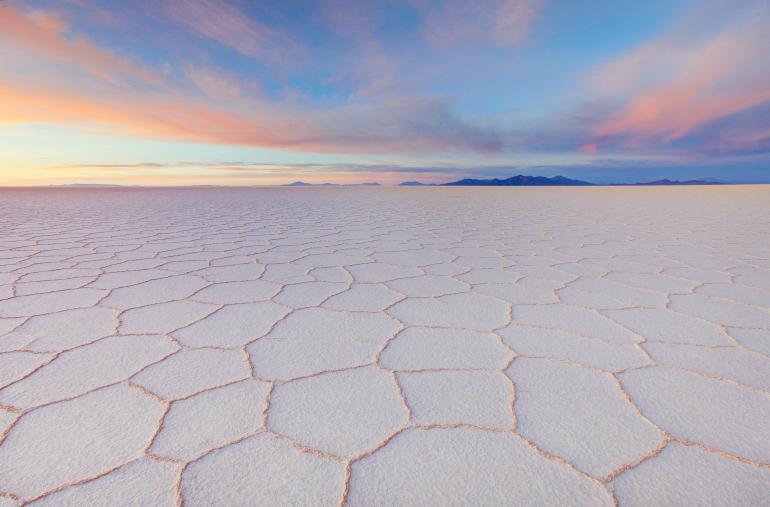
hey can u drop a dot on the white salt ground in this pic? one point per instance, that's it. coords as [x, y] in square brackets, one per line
[428, 346]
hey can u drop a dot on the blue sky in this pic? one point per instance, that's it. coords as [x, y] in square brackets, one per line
[236, 92]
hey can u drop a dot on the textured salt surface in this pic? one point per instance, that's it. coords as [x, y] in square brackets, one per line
[430, 346]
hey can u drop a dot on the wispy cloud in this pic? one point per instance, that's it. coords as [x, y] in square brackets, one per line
[213, 83]
[43, 34]
[228, 25]
[501, 22]
[170, 112]
[669, 90]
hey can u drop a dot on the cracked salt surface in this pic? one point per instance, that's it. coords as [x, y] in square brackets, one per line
[435, 346]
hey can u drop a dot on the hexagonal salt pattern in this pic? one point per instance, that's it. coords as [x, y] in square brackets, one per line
[262, 470]
[436, 346]
[465, 466]
[344, 413]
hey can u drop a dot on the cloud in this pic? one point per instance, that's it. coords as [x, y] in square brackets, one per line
[114, 94]
[48, 21]
[228, 25]
[401, 126]
[500, 22]
[671, 90]
[374, 77]
[213, 83]
[43, 33]
[743, 133]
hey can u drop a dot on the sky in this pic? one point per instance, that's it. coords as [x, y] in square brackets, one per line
[237, 92]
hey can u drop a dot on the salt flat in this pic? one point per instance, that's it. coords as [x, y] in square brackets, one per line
[385, 346]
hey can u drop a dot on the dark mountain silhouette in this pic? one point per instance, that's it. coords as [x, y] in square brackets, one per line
[522, 181]
[414, 184]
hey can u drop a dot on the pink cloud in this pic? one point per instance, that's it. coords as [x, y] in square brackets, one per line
[48, 21]
[223, 22]
[43, 33]
[672, 86]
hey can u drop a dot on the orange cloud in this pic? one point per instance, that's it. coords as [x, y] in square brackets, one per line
[405, 126]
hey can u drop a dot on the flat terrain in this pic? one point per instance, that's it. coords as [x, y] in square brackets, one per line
[385, 346]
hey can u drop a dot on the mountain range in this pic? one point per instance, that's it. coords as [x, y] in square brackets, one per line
[544, 181]
[521, 181]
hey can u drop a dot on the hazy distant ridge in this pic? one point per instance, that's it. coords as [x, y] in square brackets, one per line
[304, 184]
[414, 184]
[664, 182]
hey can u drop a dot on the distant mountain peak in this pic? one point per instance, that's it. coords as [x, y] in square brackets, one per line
[299, 183]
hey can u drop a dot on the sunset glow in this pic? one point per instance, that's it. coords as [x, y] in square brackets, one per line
[241, 93]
